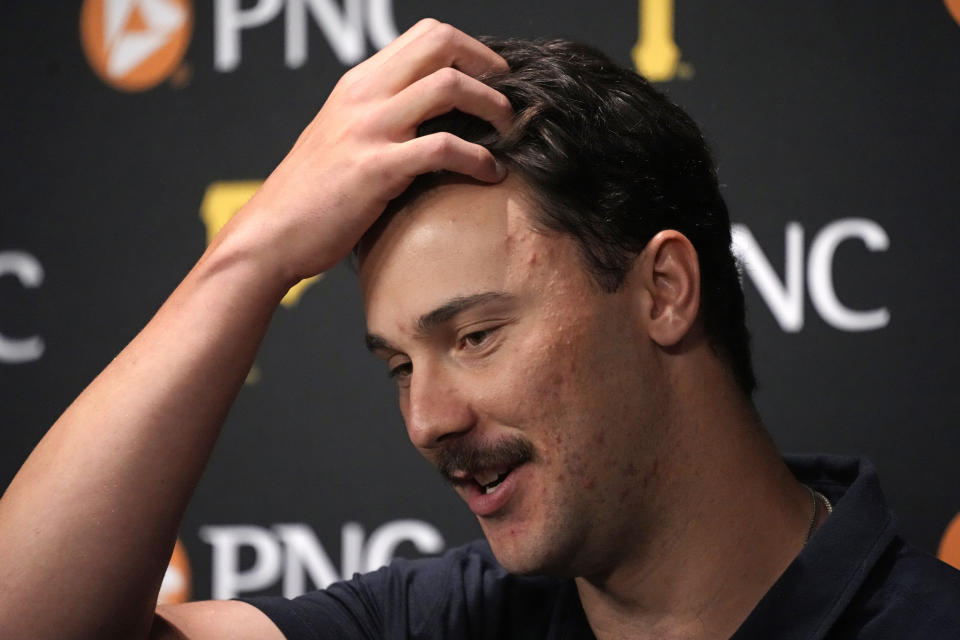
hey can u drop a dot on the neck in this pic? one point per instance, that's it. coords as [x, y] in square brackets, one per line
[730, 517]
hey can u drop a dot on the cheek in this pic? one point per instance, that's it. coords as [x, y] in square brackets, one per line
[540, 377]
[599, 409]
[554, 398]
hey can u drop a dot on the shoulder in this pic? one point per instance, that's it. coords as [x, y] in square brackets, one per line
[907, 594]
[464, 593]
[465, 589]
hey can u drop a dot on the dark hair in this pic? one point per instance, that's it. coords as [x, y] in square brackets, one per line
[611, 161]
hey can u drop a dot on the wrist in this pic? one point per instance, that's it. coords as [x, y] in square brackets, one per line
[253, 267]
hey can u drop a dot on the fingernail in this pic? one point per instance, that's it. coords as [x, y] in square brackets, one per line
[501, 169]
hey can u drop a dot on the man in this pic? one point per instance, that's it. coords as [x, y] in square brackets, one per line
[560, 310]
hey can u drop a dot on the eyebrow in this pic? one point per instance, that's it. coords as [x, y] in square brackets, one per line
[432, 319]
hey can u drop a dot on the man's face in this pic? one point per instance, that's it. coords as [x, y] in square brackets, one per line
[535, 392]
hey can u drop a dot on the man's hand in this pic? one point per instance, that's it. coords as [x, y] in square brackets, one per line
[361, 149]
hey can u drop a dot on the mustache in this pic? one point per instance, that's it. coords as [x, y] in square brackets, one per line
[470, 457]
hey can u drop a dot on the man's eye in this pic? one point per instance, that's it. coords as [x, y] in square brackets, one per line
[401, 370]
[476, 338]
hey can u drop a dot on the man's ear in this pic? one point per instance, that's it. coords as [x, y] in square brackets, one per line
[669, 273]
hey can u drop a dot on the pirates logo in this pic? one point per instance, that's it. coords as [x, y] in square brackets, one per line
[656, 55]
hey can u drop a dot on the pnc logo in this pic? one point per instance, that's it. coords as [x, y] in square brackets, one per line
[953, 6]
[249, 558]
[175, 588]
[134, 45]
[949, 550]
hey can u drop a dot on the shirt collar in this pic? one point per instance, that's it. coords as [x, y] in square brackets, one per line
[819, 584]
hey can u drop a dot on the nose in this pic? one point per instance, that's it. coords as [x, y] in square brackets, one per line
[436, 409]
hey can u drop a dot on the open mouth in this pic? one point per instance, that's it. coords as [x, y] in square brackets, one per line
[483, 469]
[486, 481]
[487, 476]
[489, 486]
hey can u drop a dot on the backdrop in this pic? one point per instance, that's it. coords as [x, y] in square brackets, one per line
[132, 129]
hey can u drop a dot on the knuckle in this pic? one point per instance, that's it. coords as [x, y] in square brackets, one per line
[443, 34]
[350, 75]
[427, 23]
[347, 84]
[442, 144]
[356, 91]
[342, 85]
[375, 160]
[361, 122]
[447, 79]
[483, 157]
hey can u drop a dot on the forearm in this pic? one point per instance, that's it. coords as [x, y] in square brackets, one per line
[90, 519]
[88, 523]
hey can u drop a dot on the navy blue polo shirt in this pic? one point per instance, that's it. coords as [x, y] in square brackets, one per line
[856, 578]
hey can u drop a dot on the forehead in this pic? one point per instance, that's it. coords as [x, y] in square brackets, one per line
[458, 239]
[455, 199]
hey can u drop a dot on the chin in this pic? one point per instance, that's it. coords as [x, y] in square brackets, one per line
[536, 555]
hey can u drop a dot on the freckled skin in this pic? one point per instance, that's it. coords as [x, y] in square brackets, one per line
[571, 372]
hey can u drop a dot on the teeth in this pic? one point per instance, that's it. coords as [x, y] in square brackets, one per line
[486, 477]
[490, 487]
